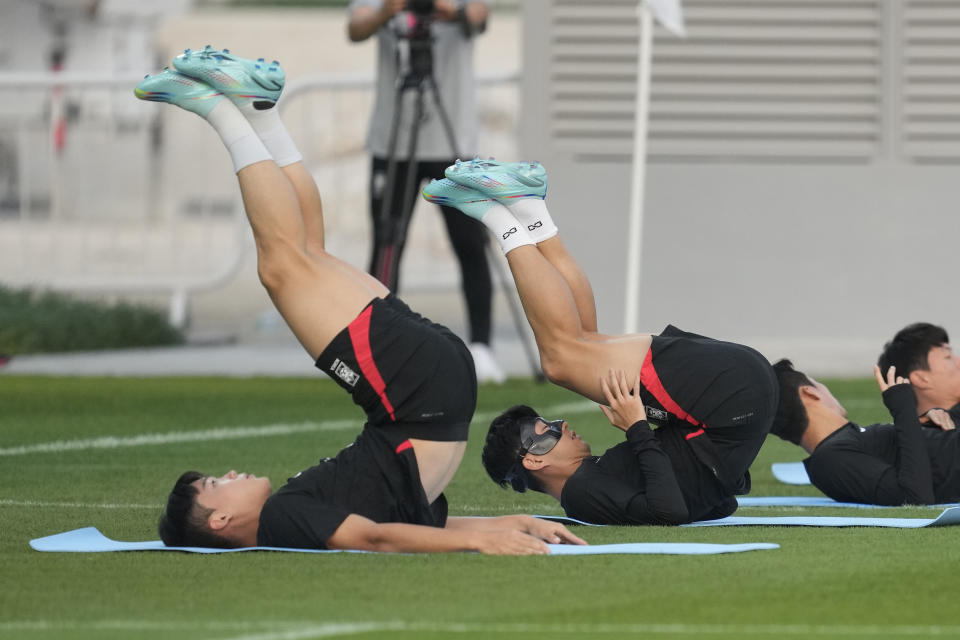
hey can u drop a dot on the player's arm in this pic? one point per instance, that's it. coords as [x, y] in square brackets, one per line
[849, 474]
[913, 472]
[551, 532]
[365, 21]
[357, 532]
[661, 502]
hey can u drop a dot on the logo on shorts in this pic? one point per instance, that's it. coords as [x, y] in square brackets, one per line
[656, 414]
[536, 225]
[344, 372]
[509, 232]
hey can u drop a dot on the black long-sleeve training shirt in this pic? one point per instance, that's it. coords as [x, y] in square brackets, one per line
[889, 464]
[652, 478]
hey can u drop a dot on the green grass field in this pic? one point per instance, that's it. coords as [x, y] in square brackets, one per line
[823, 583]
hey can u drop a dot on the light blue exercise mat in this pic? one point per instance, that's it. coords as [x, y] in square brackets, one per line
[817, 501]
[790, 472]
[949, 517]
[90, 540]
[663, 548]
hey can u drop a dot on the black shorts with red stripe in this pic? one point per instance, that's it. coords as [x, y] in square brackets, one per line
[405, 371]
[725, 393]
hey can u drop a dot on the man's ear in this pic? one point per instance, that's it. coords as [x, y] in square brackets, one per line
[920, 378]
[531, 463]
[218, 520]
[809, 393]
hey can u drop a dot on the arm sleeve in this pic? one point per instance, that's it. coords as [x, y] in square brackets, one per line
[663, 501]
[850, 472]
[913, 474]
[604, 498]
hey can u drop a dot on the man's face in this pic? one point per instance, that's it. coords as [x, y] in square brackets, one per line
[233, 492]
[944, 373]
[570, 445]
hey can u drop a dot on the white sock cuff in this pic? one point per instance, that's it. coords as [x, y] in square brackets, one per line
[515, 238]
[246, 151]
[509, 232]
[533, 214]
[281, 147]
[238, 136]
[271, 130]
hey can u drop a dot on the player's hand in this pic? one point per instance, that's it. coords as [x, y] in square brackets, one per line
[939, 417]
[891, 379]
[624, 409]
[510, 542]
[550, 532]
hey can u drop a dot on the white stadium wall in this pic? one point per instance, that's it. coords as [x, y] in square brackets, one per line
[804, 161]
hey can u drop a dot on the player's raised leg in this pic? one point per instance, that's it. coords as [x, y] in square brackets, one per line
[522, 188]
[317, 294]
[556, 295]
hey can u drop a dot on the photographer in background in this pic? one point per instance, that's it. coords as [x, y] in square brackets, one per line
[440, 34]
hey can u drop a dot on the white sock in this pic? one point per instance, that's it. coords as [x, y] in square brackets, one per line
[532, 213]
[508, 231]
[271, 130]
[242, 142]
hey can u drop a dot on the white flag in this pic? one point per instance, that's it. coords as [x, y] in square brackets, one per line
[669, 13]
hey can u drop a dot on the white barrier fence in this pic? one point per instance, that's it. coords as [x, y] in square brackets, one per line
[102, 193]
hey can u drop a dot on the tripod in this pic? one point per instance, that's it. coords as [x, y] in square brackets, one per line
[385, 264]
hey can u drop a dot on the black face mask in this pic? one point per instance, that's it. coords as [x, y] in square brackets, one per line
[539, 443]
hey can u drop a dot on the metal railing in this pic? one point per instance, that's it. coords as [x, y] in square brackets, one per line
[102, 193]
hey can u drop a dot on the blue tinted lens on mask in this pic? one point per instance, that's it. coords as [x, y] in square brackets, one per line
[539, 443]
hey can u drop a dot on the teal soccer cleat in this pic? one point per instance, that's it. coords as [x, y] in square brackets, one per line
[450, 194]
[244, 81]
[180, 90]
[501, 180]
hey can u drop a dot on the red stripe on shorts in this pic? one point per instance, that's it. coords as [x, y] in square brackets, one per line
[360, 337]
[651, 381]
[403, 446]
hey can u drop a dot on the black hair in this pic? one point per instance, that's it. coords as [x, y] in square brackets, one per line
[909, 349]
[791, 420]
[184, 522]
[501, 451]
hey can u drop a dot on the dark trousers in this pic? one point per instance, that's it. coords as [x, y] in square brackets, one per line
[468, 237]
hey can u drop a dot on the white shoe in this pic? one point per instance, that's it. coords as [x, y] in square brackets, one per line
[487, 368]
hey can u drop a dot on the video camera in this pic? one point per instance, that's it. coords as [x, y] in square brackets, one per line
[420, 37]
[421, 7]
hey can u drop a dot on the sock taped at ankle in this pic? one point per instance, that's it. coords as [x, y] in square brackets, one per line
[271, 130]
[238, 135]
